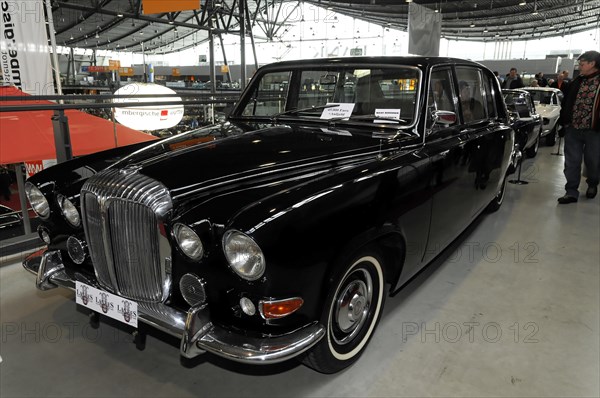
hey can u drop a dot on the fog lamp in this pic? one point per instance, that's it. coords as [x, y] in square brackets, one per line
[44, 234]
[77, 250]
[188, 241]
[69, 210]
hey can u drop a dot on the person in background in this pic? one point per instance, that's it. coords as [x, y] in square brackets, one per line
[5, 181]
[580, 118]
[513, 80]
[500, 79]
[542, 81]
[561, 83]
[534, 83]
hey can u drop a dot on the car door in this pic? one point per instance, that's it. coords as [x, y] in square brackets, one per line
[459, 154]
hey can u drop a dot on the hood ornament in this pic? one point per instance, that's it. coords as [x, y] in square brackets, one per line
[130, 169]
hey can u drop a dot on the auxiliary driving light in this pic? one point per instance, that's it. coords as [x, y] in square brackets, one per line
[247, 306]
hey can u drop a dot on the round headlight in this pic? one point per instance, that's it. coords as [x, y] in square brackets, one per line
[69, 210]
[188, 241]
[38, 201]
[244, 255]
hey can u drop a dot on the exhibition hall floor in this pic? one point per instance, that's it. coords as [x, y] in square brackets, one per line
[511, 310]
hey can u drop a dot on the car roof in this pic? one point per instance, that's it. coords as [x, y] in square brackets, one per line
[418, 61]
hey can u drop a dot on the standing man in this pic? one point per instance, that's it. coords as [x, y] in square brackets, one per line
[561, 83]
[513, 80]
[580, 117]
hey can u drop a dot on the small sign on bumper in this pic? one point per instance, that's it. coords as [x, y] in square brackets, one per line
[106, 303]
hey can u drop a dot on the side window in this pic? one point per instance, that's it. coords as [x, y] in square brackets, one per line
[471, 94]
[441, 91]
[441, 97]
[518, 103]
[269, 95]
[490, 93]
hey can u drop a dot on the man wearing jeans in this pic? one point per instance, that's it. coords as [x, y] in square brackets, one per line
[580, 116]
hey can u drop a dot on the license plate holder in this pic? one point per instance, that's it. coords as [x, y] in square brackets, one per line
[111, 305]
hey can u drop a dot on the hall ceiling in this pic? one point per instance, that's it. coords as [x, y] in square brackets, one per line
[120, 24]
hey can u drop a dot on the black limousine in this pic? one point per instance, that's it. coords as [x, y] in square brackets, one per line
[279, 233]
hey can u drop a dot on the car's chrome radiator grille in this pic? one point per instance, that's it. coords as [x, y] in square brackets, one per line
[123, 213]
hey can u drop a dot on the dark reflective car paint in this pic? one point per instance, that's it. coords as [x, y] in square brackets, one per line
[307, 192]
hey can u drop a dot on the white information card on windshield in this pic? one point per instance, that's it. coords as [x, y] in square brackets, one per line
[337, 111]
[387, 114]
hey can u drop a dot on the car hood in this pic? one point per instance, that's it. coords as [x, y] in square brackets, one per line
[229, 153]
[548, 111]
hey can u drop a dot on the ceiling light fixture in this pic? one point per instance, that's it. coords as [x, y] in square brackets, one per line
[522, 3]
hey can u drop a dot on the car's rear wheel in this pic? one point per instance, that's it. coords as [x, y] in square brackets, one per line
[532, 151]
[496, 203]
[352, 311]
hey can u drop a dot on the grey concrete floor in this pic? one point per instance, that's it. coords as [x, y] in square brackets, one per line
[511, 310]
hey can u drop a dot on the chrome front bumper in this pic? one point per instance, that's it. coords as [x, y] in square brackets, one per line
[198, 335]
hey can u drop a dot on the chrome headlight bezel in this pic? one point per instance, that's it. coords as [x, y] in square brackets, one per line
[68, 210]
[38, 201]
[243, 255]
[188, 241]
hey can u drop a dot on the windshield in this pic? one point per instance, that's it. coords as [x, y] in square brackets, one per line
[378, 94]
[544, 97]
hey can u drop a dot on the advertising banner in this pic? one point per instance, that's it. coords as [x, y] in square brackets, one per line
[36, 166]
[160, 6]
[424, 31]
[24, 51]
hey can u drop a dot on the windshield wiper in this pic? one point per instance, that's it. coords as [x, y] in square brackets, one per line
[296, 110]
[375, 117]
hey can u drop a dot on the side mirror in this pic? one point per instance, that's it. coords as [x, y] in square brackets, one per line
[445, 118]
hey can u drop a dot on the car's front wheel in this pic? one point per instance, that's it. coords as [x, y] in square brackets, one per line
[533, 150]
[353, 308]
[551, 137]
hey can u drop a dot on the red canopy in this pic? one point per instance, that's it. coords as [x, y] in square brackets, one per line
[29, 136]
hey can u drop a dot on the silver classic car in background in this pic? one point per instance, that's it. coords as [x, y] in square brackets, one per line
[525, 120]
[547, 102]
[279, 233]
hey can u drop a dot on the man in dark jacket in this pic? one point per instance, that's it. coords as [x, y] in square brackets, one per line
[580, 117]
[513, 80]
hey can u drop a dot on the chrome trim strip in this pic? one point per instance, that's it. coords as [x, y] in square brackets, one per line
[255, 173]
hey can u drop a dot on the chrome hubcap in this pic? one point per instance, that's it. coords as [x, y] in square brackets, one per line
[352, 306]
